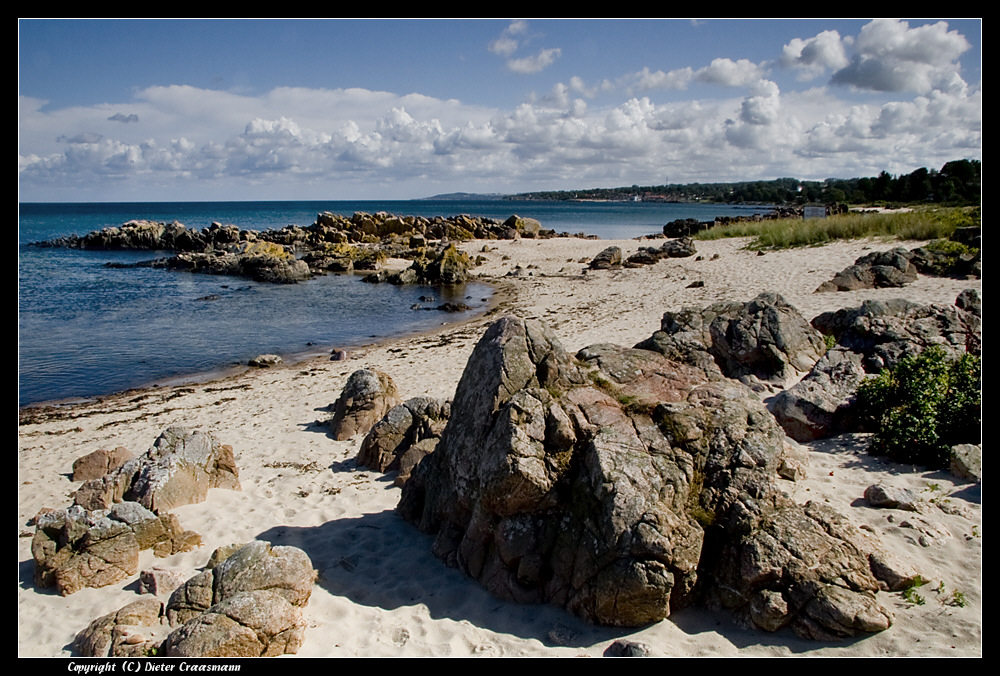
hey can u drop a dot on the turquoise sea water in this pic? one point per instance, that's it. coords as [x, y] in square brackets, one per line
[86, 330]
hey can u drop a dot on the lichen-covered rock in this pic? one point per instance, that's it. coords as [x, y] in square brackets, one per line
[257, 565]
[246, 624]
[612, 482]
[764, 341]
[75, 548]
[248, 606]
[179, 469]
[420, 419]
[367, 397]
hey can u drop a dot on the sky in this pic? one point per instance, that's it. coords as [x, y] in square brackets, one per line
[189, 110]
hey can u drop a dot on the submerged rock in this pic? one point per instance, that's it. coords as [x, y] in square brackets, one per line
[621, 486]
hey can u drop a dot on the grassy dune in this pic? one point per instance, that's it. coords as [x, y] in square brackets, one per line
[918, 224]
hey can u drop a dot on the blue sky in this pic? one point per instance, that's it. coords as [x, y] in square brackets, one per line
[121, 110]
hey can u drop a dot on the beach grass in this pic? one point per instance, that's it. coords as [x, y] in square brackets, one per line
[915, 224]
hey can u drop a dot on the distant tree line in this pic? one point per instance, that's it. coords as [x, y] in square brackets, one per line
[957, 183]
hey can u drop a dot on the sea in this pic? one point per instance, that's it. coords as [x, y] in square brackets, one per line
[86, 330]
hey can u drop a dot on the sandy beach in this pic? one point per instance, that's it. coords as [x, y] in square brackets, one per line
[380, 592]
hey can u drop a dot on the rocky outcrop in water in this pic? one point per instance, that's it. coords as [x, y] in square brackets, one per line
[250, 605]
[260, 261]
[291, 254]
[623, 485]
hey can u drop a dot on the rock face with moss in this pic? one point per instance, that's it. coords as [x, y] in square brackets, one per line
[622, 485]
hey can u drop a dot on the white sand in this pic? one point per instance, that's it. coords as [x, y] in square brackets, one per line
[380, 592]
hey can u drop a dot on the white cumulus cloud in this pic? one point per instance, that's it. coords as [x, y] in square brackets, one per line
[890, 56]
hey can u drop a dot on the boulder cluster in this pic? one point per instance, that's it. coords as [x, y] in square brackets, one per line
[612, 257]
[96, 541]
[248, 603]
[625, 483]
[622, 484]
[867, 339]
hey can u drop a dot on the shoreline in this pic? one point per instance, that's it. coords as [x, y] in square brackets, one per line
[290, 358]
[380, 591]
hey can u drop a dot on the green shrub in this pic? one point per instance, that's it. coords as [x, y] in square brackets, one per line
[924, 406]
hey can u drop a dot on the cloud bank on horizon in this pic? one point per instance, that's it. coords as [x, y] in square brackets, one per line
[891, 96]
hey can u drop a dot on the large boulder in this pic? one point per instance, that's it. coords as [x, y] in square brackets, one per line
[366, 398]
[404, 436]
[620, 485]
[250, 605]
[875, 270]
[179, 469]
[763, 342]
[75, 548]
[820, 405]
[884, 332]
[606, 260]
[526, 227]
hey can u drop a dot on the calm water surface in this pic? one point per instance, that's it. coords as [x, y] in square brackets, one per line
[86, 330]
